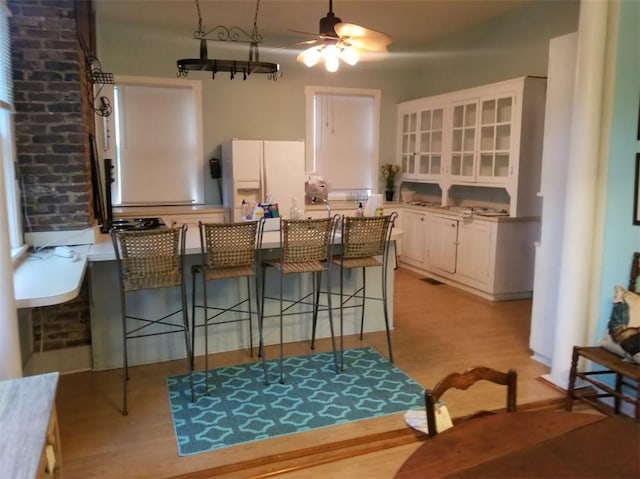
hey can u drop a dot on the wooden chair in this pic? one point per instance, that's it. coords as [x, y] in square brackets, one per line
[626, 374]
[465, 380]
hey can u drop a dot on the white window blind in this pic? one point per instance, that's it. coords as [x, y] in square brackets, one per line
[10, 190]
[342, 136]
[158, 157]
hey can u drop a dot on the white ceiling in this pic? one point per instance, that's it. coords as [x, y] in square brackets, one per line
[410, 23]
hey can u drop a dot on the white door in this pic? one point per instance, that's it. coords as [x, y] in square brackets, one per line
[413, 247]
[475, 241]
[246, 157]
[284, 173]
[443, 238]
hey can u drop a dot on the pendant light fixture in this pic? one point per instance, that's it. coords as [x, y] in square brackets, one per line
[233, 67]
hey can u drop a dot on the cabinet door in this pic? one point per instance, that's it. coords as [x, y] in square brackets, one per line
[443, 241]
[408, 134]
[495, 149]
[464, 123]
[429, 146]
[413, 247]
[475, 251]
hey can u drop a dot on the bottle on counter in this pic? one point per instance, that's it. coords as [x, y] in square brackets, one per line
[244, 210]
[379, 211]
[294, 212]
[359, 211]
[258, 212]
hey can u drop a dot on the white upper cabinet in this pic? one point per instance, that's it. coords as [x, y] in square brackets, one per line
[488, 136]
[421, 141]
[494, 149]
[463, 132]
[408, 132]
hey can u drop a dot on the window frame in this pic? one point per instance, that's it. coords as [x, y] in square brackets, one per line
[9, 189]
[370, 183]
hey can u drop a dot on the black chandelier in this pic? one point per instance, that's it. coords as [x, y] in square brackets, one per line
[233, 67]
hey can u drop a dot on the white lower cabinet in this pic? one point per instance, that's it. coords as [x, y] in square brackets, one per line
[476, 252]
[413, 242]
[494, 259]
[441, 237]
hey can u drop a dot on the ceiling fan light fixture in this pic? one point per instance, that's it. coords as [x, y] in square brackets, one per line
[331, 56]
[311, 56]
[349, 55]
[338, 41]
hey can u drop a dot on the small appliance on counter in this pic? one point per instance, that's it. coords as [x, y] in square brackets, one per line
[316, 190]
[137, 224]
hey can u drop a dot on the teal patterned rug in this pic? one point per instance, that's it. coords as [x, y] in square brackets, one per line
[240, 408]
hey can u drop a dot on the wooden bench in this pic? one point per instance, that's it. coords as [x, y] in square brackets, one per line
[627, 373]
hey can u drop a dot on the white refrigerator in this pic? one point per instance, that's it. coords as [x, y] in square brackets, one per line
[253, 169]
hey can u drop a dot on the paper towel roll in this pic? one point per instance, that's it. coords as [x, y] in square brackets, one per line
[373, 203]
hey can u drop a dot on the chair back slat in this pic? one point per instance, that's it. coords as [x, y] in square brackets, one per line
[305, 240]
[465, 380]
[228, 245]
[366, 236]
[149, 259]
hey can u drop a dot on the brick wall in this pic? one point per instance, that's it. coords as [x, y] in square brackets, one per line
[52, 109]
[52, 124]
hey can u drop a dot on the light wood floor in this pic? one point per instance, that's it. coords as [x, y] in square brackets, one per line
[438, 329]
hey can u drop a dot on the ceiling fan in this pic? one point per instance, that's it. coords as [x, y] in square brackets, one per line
[341, 41]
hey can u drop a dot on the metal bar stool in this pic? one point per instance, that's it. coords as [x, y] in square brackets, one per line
[305, 247]
[146, 260]
[228, 251]
[364, 240]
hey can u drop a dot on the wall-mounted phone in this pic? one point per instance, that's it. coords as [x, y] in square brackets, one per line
[214, 168]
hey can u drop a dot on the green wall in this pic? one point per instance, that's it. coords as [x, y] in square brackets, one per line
[513, 45]
[621, 237]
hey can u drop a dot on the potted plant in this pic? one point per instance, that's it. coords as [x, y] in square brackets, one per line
[389, 172]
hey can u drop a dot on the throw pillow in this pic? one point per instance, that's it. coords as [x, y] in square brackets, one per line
[623, 330]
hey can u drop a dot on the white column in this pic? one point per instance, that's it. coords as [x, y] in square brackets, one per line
[10, 358]
[578, 242]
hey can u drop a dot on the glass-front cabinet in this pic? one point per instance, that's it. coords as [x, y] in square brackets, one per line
[430, 146]
[474, 137]
[463, 140]
[495, 139]
[421, 140]
[408, 134]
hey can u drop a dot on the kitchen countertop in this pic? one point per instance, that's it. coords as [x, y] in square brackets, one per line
[32, 277]
[102, 250]
[454, 213]
[159, 210]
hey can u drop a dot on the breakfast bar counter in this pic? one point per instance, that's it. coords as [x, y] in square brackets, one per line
[106, 322]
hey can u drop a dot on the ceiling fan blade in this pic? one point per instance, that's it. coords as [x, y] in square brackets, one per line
[363, 38]
[300, 32]
[365, 44]
[309, 42]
